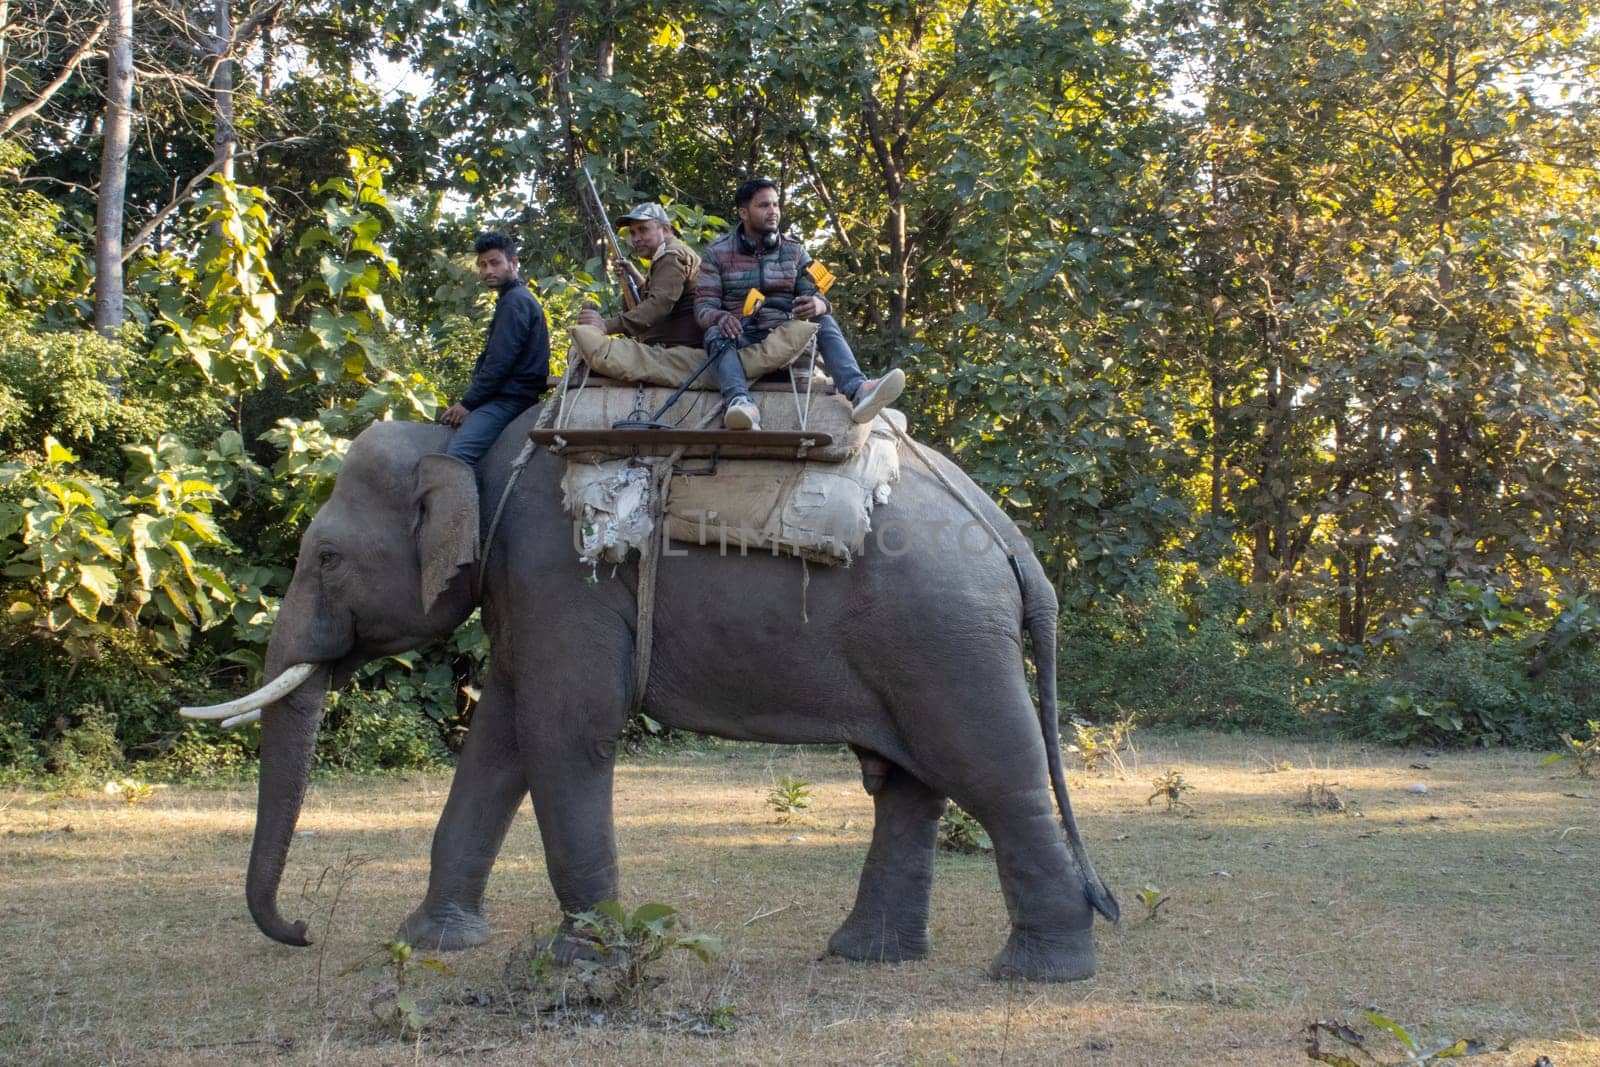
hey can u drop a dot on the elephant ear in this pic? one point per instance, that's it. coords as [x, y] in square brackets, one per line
[446, 505]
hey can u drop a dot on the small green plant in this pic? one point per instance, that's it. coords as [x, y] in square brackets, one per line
[1586, 754]
[1099, 746]
[960, 832]
[1152, 898]
[1322, 796]
[131, 790]
[626, 945]
[398, 1008]
[1355, 1052]
[1171, 787]
[790, 797]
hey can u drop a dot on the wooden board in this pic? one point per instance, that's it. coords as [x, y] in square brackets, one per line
[779, 443]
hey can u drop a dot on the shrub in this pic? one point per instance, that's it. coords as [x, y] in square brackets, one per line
[369, 730]
[960, 832]
[204, 752]
[1186, 665]
[87, 751]
[1473, 689]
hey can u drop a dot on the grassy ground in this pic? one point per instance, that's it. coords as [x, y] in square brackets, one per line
[1466, 911]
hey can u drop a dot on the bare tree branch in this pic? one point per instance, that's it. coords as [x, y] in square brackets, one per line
[148, 230]
[11, 121]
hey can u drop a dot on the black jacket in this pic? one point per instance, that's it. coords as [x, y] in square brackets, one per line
[516, 360]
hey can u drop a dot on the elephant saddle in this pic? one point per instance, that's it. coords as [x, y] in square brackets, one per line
[815, 502]
[820, 511]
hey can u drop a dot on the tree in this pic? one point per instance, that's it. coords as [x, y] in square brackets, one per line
[108, 297]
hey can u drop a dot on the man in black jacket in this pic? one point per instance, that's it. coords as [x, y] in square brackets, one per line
[514, 368]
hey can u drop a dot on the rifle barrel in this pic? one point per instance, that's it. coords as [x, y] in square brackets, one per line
[611, 235]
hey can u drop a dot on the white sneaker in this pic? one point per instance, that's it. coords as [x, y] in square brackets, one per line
[877, 394]
[742, 414]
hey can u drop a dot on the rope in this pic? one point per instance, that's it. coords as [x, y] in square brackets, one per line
[811, 376]
[547, 415]
[649, 566]
[661, 470]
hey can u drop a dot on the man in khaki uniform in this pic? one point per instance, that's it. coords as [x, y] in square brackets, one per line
[665, 312]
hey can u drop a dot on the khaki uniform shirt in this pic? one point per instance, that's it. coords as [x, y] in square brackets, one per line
[665, 312]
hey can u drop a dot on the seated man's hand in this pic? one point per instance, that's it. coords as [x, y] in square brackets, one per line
[730, 324]
[809, 307]
[590, 317]
[453, 414]
[624, 269]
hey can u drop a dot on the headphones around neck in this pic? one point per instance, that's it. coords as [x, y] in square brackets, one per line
[769, 241]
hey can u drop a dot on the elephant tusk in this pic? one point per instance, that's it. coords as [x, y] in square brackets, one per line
[236, 711]
[240, 720]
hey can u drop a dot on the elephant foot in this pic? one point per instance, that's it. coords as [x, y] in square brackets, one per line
[877, 942]
[1032, 956]
[444, 929]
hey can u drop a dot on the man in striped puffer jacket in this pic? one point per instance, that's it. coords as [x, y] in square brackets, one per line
[756, 256]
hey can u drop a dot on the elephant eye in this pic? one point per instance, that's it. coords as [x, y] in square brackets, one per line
[327, 557]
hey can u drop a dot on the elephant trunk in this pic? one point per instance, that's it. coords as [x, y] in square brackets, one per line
[288, 742]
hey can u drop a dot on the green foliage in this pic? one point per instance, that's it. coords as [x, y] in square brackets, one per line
[87, 561]
[1468, 686]
[1357, 1055]
[204, 753]
[397, 1007]
[216, 309]
[38, 264]
[960, 832]
[87, 751]
[339, 342]
[790, 797]
[626, 945]
[1187, 661]
[1585, 754]
[372, 730]
[1097, 745]
[1170, 787]
[131, 791]
[57, 383]
[1152, 898]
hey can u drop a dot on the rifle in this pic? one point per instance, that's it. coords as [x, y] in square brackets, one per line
[611, 234]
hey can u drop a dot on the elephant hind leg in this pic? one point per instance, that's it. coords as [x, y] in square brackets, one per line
[889, 923]
[1051, 937]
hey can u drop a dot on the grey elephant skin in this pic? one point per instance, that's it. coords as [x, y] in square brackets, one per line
[914, 656]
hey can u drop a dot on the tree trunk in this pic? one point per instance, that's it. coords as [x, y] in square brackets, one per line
[108, 295]
[5, 25]
[225, 141]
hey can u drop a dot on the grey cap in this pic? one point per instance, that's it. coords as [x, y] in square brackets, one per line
[646, 213]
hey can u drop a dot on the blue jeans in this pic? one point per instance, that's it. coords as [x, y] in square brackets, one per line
[837, 358]
[481, 428]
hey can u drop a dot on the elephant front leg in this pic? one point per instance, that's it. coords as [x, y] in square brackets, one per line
[572, 780]
[489, 785]
[889, 923]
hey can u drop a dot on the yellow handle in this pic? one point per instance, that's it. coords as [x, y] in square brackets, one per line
[821, 275]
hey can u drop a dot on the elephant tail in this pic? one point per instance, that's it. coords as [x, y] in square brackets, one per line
[1039, 612]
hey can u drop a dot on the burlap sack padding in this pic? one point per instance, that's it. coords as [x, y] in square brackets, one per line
[593, 408]
[625, 358]
[820, 511]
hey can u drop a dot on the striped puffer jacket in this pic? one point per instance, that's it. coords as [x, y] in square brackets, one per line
[733, 266]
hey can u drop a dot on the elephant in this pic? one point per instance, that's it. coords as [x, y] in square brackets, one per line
[912, 656]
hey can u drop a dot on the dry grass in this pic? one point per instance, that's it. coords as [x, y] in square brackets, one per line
[1465, 911]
